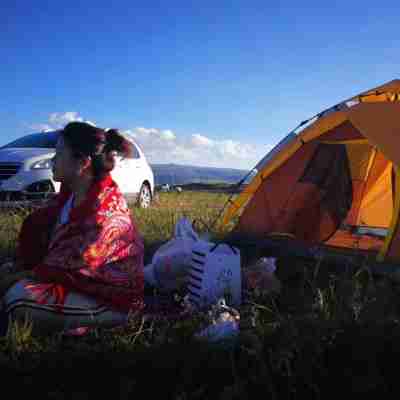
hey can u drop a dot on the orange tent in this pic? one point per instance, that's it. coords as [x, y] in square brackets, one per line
[336, 182]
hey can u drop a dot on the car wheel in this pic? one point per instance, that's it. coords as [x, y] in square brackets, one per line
[144, 198]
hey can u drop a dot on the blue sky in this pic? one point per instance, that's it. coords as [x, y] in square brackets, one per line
[193, 81]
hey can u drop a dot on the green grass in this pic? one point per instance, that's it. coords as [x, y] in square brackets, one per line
[158, 222]
[329, 333]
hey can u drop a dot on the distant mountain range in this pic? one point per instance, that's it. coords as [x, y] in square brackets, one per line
[174, 174]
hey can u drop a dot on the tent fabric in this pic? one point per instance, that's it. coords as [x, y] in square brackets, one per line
[270, 212]
[333, 177]
[379, 123]
[253, 186]
[349, 240]
[387, 92]
[342, 132]
[376, 208]
[391, 247]
[312, 203]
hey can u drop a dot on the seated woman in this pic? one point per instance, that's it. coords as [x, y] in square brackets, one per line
[80, 258]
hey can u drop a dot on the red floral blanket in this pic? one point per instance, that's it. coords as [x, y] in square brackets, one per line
[99, 252]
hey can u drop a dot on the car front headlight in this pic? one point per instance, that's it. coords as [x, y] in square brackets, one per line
[46, 163]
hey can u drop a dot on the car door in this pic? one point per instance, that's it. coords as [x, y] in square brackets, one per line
[135, 168]
[128, 173]
[119, 174]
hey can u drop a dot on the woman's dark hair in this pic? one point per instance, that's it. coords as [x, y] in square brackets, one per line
[100, 144]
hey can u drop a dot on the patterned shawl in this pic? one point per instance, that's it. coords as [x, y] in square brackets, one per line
[98, 252]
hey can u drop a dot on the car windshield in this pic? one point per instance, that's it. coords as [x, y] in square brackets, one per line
[45, 140]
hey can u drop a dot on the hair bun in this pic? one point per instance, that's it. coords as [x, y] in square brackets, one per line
[117, 142]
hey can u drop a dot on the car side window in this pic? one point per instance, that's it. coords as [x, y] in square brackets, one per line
[136, 153]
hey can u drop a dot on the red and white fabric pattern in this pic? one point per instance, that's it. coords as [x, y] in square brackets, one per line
[77, 314]
[95, 257]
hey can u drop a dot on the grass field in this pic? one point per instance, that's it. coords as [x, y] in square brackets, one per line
[327, 334]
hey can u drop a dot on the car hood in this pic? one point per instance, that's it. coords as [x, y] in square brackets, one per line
[24, 154]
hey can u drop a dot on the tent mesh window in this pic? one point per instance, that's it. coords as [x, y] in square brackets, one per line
[329, 170]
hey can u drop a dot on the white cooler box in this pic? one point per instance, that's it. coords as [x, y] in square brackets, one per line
[214, 273]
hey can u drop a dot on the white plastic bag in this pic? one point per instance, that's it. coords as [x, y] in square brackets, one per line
[184, 230]
[170, 262]
[223, 323]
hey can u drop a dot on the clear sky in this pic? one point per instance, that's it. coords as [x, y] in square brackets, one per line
[201, 82]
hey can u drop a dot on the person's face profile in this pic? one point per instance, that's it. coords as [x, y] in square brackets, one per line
[64, 164]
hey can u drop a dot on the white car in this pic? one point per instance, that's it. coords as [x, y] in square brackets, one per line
[26, 175]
